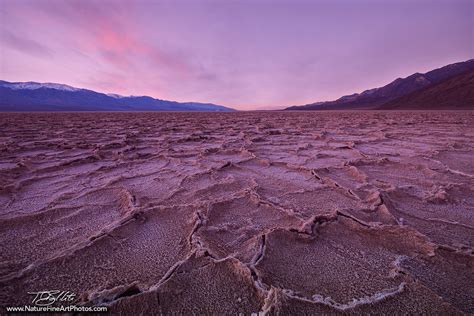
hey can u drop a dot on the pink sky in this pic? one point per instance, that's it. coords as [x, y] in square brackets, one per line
[240, 53]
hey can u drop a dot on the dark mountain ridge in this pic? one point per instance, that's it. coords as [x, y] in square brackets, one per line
[454, 93]
[376, 98]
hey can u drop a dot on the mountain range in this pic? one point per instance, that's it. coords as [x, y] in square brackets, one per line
[448, 87]
[34, 96]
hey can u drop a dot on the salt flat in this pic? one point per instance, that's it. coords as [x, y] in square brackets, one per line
[228, 213]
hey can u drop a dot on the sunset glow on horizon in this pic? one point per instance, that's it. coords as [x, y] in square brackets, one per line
[243, 54]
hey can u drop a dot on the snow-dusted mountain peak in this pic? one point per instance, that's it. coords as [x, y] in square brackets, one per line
[37, 85]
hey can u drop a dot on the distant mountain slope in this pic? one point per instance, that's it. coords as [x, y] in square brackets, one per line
[375, 98]
[454, 93]
[33, 96]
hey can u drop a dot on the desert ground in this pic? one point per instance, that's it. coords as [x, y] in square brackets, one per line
[278, 213]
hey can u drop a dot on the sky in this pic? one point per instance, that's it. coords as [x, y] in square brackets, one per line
[247, 54]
